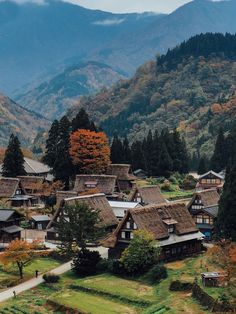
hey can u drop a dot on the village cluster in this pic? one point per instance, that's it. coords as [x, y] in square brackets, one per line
[180, 227]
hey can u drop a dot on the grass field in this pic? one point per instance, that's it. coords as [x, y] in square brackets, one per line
[9, 274]
[159, 294]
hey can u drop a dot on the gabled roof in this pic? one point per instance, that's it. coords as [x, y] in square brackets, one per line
[121, 171]
[95, 201]
[40, 218]
[61, 195]
[150, 194]
[151, 218]
[8, 186]
[5, 214]
[213, 173]
[103, 183]
[208, 197]
[33, 167]
[12, 229]
[33, 183]
[213, 210]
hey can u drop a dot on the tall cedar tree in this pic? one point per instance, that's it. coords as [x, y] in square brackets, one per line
[226, 220]
[90, 151]
[137, 156]
[179, 154]
[63, 168]
[219, 157]
[165, 162]
[78, 226]
[202, 167]
[51, 145]
[13, 163]
[116, 150]
[126, 151]
[81, 121]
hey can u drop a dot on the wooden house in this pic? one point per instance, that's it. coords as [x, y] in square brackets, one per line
[39, 222]
[86, 183]
[204, 209]
[210, 180]
[13, 194]
[125, 181]
[214, 279]
[146, 195]
[96, 201]
[140, 174]
[10, 225]
[33, 185]
[171, 225]
[120, 208]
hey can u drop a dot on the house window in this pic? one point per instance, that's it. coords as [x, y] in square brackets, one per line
[127, 234]
[171, 228]
[128, 224]
[138, 199]
[131, 235]
[135, 226]
[199, 219]
[18, 192]
[206, 219]
[123, 235]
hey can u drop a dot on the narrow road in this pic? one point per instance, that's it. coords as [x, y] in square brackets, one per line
[34, 282]
[7, 294]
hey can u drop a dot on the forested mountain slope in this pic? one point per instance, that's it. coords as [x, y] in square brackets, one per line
[23, 123]
[181, 89]
[53, 98]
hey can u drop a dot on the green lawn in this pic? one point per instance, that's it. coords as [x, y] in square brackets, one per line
[116, 285]
[91, 303]
[9, 274]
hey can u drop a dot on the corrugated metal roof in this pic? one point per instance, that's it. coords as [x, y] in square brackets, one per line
[174, 238]
[125, 205]
[5, 214]
[41, 218]
[33, 167]
[12, 229]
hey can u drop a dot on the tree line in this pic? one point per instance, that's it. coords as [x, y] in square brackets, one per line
[157, 154]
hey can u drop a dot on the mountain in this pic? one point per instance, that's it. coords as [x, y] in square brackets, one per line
[23, 123]
[53, 98]
[38, 40]
[184, 88]
[195, 17]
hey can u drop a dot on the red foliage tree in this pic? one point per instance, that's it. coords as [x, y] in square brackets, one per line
[90, 151]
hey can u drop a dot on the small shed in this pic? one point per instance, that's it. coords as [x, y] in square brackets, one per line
[39, 222]
[213, 279]
[11, 233]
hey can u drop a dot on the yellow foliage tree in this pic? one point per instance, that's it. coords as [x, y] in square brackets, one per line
[20, 253]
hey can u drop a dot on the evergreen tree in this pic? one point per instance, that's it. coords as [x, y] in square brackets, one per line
[202, 168]
[51, 145]
[137, 156]
[126, 151]
[116, 150]
[219, 158]
[81, 121]
[165, 161]
[13, 163]
[62, 167]
[226, 220]
[194, 162]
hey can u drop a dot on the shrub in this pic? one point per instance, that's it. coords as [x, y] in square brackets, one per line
[51, 278]
[85, 263]
[166, 186]
[156, 273]
[188, 183]
[103, 265]
[180, 286]
[116, 267]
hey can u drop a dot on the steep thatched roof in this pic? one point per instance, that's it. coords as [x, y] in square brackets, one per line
[61, 195]
[8, 186]
[121, 171]
[33, 184]
[102, 183]
[95, 201]
[155, 219]
[209, 197]
[150, 194]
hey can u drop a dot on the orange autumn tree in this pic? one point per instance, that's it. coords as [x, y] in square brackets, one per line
[20, 253]
[90, 151]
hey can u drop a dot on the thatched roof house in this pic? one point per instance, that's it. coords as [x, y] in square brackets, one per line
[9, 187]
[33, 185]
[171, 224]
[146, 195]
[95, 201]
[61, 195]
[204, 209]
[125, 180]
[99, 183]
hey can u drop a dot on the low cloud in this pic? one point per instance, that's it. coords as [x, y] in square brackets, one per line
[109, 22]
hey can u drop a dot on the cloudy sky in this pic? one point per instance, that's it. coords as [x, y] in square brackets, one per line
[120, 6]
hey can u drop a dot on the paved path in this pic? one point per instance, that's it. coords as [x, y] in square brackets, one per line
[27, 285]
[7, 294]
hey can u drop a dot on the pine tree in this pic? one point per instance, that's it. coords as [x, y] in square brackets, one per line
[137, 156]
[13, 163]
[165, 161]
[62, 167]
[51, 145]
[202, 168]
[126, 151]
[219, 158]
[116, 150]
[226, 220]
[81, 121]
